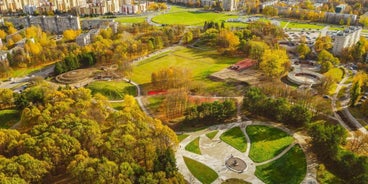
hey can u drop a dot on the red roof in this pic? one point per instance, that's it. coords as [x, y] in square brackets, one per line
[242, 65]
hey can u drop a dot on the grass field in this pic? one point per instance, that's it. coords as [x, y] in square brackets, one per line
[191, 17]
[8, 118]
[113, 90]
[131, 19]
[202, 172]
[194, 146]
[304, 25]
[181, 137]
[211, 135]
[291, 168]
[235, 138]
[267, 142]
[201, 63]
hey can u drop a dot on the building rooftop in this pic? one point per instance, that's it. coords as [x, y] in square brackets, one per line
[348, 31]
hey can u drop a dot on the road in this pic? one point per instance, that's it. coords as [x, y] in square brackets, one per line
[19, 83]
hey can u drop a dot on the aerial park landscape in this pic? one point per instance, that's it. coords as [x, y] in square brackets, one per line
[185, 92]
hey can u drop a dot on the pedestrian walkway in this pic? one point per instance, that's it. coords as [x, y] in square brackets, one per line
[215, 152]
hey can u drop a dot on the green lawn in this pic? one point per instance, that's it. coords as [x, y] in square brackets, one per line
[117, 105]
[181, 137]
[235, 138]
[194, 146]
[291, 168]
[202, 172]
[267, 142]
[191, 17]
[131, 19]
[299, 25]
[211, 135]
[201, 63]
[154, 102]
[326, 177]
[8, 118]
[112, 89]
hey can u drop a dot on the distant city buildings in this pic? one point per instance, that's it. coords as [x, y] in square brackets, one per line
[80, 7]
[346, 38]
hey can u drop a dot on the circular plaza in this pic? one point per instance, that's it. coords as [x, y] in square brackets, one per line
[251, 151]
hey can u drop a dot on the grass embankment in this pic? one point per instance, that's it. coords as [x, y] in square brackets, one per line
[267, 142]
[211, 135]
[194, 146]
[181, 137]
[9, 117]
[113, 90]
[235, 138]
[202, 172]
[291, 168]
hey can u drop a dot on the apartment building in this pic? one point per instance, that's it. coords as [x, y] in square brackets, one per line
[346, 38]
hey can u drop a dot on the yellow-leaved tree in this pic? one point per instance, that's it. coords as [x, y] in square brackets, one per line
[274, 63]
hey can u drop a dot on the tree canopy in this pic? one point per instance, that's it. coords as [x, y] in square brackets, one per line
[72, 132]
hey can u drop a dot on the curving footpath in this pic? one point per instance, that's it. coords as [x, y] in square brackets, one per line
[215, 152]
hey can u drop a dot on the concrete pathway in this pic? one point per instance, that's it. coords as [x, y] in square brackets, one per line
[345, 110]
[215, 153]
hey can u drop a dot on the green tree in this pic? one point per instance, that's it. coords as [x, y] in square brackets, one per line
[326, 138]
[327, 60]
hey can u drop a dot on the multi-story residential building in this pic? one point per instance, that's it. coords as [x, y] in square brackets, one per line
[346, 38]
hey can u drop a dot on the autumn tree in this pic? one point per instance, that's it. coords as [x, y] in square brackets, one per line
[364, 21]
[172, 77]
[175, 103]
[270, 11]
[255, 49]
[188, 37]
[359, 143]
[274, 63]
[2, 34]
[327, 60]
[70, 34]
[227, 41]
[6, 98]
[323, 43]
[303, 50]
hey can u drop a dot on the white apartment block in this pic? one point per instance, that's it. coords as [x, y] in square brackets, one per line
[81, 7]
[346, 38]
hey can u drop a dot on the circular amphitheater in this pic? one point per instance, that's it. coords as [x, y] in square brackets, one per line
[74, 76]
[305, 78]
